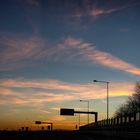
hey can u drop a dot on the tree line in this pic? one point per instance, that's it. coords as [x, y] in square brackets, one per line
[132, 105]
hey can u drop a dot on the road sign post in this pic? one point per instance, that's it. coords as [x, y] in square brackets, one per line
[66, 111]
[70, 112]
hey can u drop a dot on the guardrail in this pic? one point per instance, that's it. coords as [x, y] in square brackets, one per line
[130, 122]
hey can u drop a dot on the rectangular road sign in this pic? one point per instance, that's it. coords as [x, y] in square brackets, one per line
[38, 122]
[65, 111]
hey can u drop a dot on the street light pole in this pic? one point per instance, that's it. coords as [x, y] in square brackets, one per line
[87, 107]
[107, 86]
[107, 101]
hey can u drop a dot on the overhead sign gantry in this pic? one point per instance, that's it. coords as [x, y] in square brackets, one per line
[71, 112]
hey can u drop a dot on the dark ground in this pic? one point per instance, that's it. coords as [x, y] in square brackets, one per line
[54, 135]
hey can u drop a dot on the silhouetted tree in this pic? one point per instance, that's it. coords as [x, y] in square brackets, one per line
[132, 105]
[123, 110]
[136, 96]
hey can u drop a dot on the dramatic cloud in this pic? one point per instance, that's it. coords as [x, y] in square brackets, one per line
[38, 95]
[21, 52]
[91, 53]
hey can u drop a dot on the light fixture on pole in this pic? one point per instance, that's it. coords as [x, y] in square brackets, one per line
[87, 107]
[107, 86]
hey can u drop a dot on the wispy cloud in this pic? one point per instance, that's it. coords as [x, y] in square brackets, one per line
[45, 84]
[20, 51]
[68, 91]
[97, 10]
[92, 54]
[68, 11]
[91, 8]
[29, 99]
[20, 47]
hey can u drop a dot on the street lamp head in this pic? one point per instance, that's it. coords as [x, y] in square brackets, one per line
[84, 100]
[101, 81]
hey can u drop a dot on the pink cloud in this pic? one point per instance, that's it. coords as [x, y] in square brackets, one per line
[45, 84]
[111, 61]
[93, 9]
[7, 92]
[19, 49]
[34, 48]
[89, 52]
[98, 11]
[68, 91]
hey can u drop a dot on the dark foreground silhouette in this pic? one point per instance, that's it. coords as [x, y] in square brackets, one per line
[55, 135]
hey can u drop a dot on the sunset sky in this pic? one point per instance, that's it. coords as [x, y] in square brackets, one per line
[52, 50]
